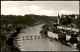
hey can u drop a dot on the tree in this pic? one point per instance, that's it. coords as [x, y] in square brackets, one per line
[65, 20]
[78, 24]
[69, 21]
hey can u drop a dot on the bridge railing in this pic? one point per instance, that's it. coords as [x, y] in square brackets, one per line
[28, 38]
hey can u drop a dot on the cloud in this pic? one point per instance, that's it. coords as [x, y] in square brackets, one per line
[37, 10]
[33, 7]
[12, 10]
[24, 7]
[45, 12]
[44, 8]
[65, 12]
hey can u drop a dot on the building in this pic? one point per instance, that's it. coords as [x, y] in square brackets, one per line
[58, 19]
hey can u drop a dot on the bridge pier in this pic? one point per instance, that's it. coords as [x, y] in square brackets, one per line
[31, 37]
[39, 37]
[27, 38]
[35, 37]
[23, 38]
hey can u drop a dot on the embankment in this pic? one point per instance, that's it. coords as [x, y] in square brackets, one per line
[10, 42]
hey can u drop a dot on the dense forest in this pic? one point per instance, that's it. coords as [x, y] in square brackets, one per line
[26, 20]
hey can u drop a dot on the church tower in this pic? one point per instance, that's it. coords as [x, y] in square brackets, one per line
[58, 19]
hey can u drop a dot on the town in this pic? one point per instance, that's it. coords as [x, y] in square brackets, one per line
[40, 26]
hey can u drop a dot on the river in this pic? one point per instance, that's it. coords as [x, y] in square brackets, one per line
[39, 44]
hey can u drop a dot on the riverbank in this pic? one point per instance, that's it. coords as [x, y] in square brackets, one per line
[15, 35]
[8, 33]
[10, 47]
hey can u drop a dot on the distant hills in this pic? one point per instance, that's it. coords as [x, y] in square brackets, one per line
[27, 19]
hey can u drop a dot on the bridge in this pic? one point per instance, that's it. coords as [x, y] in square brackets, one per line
[28, 38]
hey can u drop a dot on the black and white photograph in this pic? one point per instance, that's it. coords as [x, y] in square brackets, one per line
[40, 26]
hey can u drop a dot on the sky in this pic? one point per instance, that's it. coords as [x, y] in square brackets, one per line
[48, 8]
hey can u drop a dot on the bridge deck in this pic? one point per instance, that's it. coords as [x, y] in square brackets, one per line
[28, 38]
